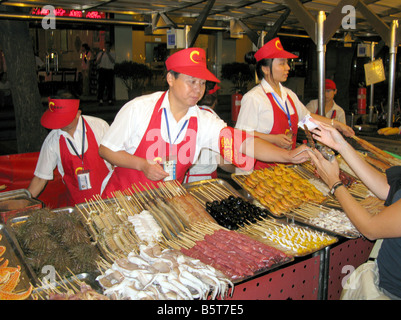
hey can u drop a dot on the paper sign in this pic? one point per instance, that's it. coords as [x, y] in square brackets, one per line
[374, 72]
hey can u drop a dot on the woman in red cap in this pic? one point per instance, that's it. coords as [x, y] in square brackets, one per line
[271, 111]
[72, 145]
[158, 136]
[331, 109]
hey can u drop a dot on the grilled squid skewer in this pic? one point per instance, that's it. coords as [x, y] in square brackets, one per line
[146, 227]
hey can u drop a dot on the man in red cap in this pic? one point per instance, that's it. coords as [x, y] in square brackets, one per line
[158, 136]
[331, 109]
[72, 145]
[271, 111]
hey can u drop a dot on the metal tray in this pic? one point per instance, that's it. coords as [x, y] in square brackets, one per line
[217, 189]
[303, 221]
[15, 257]
[21, 218]
[19, 193]
[240, 180]
[16, 201]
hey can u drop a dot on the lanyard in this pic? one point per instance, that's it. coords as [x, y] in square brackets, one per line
[168, 128]
[83, 142]
[286, 111]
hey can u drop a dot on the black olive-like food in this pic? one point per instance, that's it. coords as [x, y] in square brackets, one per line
[234, 212]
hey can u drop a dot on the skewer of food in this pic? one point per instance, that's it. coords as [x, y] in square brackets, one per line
[281, 189]
[236, 255]
[294, 239]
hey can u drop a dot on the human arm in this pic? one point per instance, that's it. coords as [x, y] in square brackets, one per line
[386, 224]
[373, 179]
[281, 140]
[36, 186]
[342, 127]
[152, 170]
[263, 150]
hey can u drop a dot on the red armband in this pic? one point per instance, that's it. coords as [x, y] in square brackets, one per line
[230, 141]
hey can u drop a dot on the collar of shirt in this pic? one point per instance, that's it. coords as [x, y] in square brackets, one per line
[281, 99]
[174, 126]
[268, 88]
[76, 139]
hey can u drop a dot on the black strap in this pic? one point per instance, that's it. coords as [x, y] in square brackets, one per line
[83, 143]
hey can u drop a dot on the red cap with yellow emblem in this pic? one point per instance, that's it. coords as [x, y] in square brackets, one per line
[273, 49]
[60, 114]
[192, 62]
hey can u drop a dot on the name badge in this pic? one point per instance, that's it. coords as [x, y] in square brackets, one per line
[170, 166]
[84, 182]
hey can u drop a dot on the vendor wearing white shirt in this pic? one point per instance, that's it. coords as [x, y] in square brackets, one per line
[271, 111]
[158, 136]
[331, 109]
[72, 147]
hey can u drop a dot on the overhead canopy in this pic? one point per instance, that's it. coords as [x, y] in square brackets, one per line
[253, 16]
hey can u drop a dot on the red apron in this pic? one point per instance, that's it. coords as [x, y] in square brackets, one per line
[91, 161]
[124, 178]
[333, 114]
[280, 125]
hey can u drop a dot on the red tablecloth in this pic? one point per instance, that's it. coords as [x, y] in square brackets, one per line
[16, 172]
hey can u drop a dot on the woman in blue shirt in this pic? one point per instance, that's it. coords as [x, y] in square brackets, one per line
[385, 225]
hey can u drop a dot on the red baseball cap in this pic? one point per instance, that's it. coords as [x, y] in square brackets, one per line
[60, 114]
[273, 49]
[330, 85]
[192, 62]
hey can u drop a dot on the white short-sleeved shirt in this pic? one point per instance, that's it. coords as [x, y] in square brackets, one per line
[49, 156]
[313, 105]
[131, 122]
[256, 112]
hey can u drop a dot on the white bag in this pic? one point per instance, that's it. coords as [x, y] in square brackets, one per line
[363, 284]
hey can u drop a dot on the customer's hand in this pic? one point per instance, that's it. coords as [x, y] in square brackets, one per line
[300, 154]
[328, 171]
[328, 135]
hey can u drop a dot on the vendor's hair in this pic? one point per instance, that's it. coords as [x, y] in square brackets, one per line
[64, 94]
[174, 73]
[250, 59]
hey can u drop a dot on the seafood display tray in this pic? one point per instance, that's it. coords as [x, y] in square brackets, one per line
[16, 258]
[21, 218]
